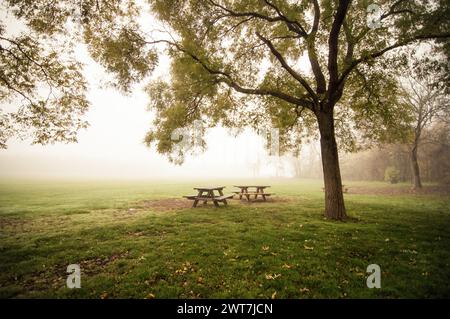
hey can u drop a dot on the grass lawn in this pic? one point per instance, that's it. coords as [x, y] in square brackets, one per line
[139, 240]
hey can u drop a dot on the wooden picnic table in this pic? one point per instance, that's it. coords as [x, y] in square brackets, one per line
[259, 191]
[206, 194]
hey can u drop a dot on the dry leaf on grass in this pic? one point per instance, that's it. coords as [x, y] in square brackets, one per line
[272, 277]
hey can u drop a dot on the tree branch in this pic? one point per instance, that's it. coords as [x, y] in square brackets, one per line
[374, 55]
[227, 79]
[292, 25]
[284, 64]
[9, 86]
[333, 43]
[312, 54]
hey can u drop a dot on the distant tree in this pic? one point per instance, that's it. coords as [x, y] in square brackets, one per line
[297, 164]
[429, 99]
[392, 175]
[434, 153]
[235, 63]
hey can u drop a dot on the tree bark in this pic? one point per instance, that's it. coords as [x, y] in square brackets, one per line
[334, 198]
[417, 183]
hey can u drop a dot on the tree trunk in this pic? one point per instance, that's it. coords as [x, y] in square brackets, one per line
[334, 198]
[417, 183]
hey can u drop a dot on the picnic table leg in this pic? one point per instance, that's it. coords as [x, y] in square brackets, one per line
[201, 195]
[221, 194]
[211, 194]
[262, 194]
[196, 200]
[205, 201]
[246, 193]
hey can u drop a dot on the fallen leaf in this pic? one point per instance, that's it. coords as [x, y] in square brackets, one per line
[274, 295]
[308, 248]
[304, 290]
[265, 248]
[272, 277]
[150, 296]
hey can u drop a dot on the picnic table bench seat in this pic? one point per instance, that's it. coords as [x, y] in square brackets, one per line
[205, 198]
[191, 197]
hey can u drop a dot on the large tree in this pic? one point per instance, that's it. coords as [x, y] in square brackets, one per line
[237, 63]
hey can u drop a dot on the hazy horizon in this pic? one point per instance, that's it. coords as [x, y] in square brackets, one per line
[112, 146]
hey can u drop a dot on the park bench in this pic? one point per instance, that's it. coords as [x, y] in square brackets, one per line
[206, 194]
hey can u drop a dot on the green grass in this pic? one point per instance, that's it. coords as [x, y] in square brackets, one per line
[240, 251]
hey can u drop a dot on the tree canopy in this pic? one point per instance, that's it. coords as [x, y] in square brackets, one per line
[256, 63]
[42, 88]
[233, 62]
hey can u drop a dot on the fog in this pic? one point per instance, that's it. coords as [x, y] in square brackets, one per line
[112, 146]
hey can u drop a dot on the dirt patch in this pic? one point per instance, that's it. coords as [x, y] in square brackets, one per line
[399, 190]
[13, 223]
[271, 199]
[181, 203]
[96, 265]
[167, 204]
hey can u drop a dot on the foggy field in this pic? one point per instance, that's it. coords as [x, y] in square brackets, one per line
[142, 240]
